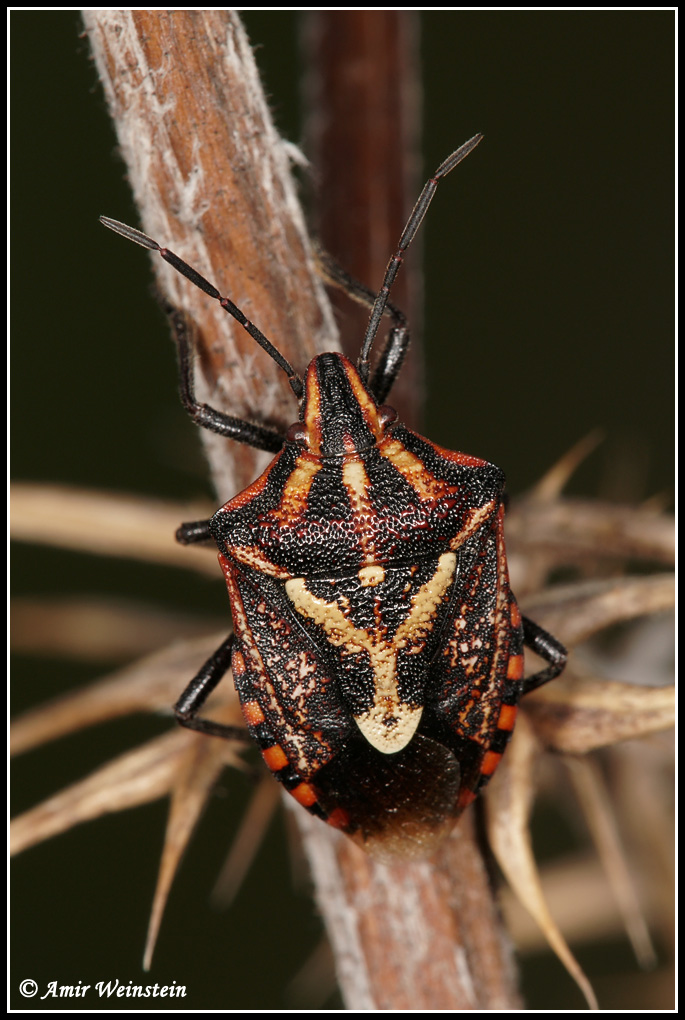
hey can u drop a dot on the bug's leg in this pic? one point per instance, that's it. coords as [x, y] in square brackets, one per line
[199, 689]
[259, 436]
[194, 533]
[396, 345]
[548, 648]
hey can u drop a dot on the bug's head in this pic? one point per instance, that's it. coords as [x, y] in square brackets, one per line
[339, 416]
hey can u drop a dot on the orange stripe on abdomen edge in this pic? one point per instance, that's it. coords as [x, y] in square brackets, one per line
[275, 757]
[507, 717]
[490, 762]
[515, 667]
[304, 794]
[252, 713]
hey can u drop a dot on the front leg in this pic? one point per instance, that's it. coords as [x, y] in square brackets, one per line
[194, 533]
[259, 436]
[199, 689]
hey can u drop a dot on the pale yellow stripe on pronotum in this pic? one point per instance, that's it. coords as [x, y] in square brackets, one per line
[356, 482]
[295, 493]
[428, 487]
[413, 470]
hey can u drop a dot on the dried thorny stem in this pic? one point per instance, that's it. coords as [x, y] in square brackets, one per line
[411, 936]
[573, 716]
[172, 177]
[212, 179]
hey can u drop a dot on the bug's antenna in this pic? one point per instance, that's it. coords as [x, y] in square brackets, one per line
[191, 274]
[408, 234]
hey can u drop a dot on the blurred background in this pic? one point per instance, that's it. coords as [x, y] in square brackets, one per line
[548, 312]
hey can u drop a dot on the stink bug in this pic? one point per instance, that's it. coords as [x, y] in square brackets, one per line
[377, 647]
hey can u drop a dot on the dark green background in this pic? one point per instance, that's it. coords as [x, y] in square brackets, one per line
[549, 311]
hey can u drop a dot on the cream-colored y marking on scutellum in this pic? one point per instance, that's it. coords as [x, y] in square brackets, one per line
[389, 724]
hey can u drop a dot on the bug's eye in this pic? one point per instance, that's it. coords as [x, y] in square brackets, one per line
[386, 415]
[297, 433]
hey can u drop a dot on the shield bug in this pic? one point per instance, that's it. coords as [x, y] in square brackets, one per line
[377, 647]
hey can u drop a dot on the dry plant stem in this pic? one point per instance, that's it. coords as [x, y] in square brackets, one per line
[362, 105]
[578, 714]
[149, 685]
[253, 828]
[203, 767]
[210, 177]
[415, 934]
[643, 774]
[99, 630]
[106, 524]
[599, 811]
[578, 611]
[135, 777]
[403, 935]
[586, 918]
[575, 529]
[508, 805]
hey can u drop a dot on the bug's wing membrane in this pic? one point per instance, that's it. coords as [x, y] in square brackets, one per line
[402, 804]
[478, 672]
